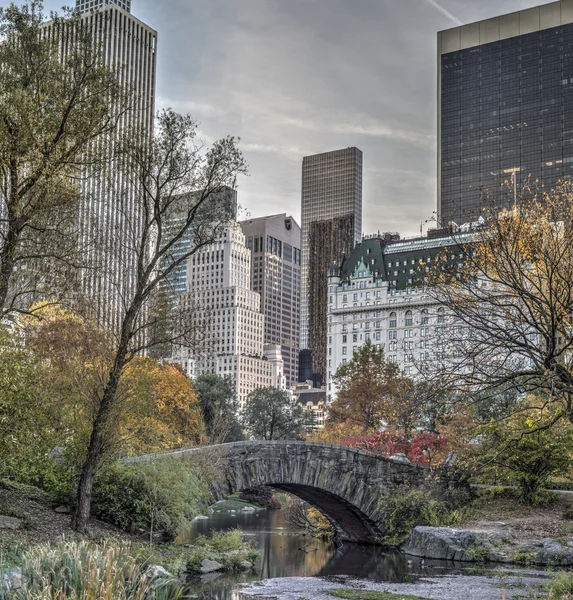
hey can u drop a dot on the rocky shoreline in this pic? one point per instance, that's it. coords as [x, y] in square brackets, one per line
[501, 546]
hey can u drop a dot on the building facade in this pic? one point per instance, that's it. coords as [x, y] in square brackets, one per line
[109, 211]
[222, 321]
[331, 208]
[378, 294]
[274, 243]
[505, 108]
[313, 400]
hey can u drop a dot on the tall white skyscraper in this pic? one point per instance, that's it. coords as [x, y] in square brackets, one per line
[221, 310]
[274, 242]
[109, 214]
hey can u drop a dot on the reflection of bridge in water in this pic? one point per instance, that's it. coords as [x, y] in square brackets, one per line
[345, 484]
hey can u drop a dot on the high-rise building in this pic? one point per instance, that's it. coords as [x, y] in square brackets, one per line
[223, 315]
[109, 212]
[505, 108]
[274, 242]
[85, 6]
[331, 226]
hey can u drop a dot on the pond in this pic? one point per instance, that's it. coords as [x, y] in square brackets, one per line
[284, 554]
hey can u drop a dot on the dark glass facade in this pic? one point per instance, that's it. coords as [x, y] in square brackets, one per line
[505, 106]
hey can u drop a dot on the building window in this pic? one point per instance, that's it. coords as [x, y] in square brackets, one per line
[344, 350]
[409, 319]
[393, 320]
[425, 317]
[441, 315]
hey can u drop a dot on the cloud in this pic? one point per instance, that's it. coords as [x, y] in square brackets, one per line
[445, 12]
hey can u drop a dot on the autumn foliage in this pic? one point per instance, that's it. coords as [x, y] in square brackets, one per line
[426, 448]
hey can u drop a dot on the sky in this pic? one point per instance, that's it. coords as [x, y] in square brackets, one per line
[298, 77]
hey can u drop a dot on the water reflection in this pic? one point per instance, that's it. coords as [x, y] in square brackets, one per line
[286, 555]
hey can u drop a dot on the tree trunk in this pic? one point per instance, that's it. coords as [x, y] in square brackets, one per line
[7, 261]
[89, 469]
[95, 448]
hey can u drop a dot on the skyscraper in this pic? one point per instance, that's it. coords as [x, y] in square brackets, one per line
[505, 108]
[223, 314]
[109, 212]
[331, 226]
[274, 242]
[85, 6]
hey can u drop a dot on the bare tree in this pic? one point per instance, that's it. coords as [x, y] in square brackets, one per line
[170, 172]
[58, 108]
[509, 309]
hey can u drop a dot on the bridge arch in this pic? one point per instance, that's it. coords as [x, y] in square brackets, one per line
[345, 484]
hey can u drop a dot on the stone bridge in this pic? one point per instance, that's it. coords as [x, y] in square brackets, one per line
[345, 484]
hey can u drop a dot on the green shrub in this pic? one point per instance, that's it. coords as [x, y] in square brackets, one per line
[406, 508]
[84, 570]
[228, 548]
[161, 495]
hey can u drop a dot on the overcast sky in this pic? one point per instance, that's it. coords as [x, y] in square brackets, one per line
[299, 77]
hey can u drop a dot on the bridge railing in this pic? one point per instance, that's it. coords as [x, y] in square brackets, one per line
[278, 443]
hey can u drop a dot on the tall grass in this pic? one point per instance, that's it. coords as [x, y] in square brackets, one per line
[84, 571]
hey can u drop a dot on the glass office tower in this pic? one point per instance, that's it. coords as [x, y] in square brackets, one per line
[331, 226]
[505, 108]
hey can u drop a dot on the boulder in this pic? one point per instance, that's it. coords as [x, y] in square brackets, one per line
[246, 565]
[209, 566]
[10, 522]
[63, 510]
[249, 509]
[494, 546]
[155, 572]
[440, 543]
[201, 518]
[545, 552]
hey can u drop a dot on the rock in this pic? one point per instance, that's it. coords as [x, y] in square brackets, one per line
[495, 546]
[209, 566]
[11, 581]
[249, 509]
[401, 458]
[246, 565]
[545, 552]
[154, 572]
[440, 543]
[63, 510]
[10, 523]
[200, 518]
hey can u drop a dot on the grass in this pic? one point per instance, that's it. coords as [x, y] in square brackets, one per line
[364, 595]
[561, 588]
[76, 570]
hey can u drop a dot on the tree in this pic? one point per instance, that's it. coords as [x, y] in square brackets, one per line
[160, 410]
[271, 414]
[511, 310]
[171, 172]
[366, 385]
[219, 408]
[56, 113]
[525, 452]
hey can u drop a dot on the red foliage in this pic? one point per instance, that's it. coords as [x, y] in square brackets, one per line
[426, 447]
[423, 449]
